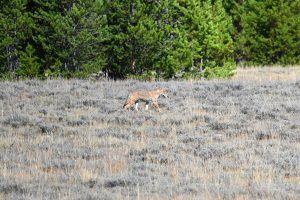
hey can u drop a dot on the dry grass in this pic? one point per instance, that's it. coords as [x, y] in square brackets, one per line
[267, 73]
[231, 139]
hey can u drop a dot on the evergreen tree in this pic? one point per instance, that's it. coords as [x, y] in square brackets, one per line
[70, 35]
[170, 38]
[208, 45]
[269, 32]
[118, 16]
[176, 51]
[29, 63]
[144, 37]
[15, 32]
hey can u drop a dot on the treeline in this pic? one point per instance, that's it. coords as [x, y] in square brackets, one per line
[145, 38]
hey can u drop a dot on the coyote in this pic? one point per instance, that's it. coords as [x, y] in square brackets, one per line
[146, 96]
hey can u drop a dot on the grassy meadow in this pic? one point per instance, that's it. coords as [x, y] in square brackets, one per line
[219, 139]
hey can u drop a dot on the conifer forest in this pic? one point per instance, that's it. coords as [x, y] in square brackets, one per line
[143, 39]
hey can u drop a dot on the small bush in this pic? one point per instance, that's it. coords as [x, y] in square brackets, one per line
[17, 121]
[227, 71]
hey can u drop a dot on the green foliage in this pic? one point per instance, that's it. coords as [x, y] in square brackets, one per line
[175, 39]
[225, 71]
[30, 65]
[146, 76]
[77, 34]
[208, 43]
[169, 37]
[135, 43]
[269, 32]
[15, 32]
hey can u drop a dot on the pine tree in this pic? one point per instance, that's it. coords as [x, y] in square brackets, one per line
[144, 37]
[29, 63]
[269, 32]
[219, 47]
[70, 36]
[135, 45]
[208, 45]
[170, 37]
[118, 16]
[15, 32]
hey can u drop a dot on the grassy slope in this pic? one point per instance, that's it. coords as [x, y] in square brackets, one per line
[235, 139]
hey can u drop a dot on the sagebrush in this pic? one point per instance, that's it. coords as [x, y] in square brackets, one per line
[212, 140]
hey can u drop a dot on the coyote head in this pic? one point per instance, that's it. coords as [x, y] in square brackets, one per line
[163, 91]
[128, 102]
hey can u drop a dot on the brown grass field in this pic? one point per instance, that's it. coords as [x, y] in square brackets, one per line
[267, 73]
[219, 139]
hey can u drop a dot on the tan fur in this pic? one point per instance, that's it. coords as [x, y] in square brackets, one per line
[145, 95]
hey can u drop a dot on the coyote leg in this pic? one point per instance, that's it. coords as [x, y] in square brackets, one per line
[156, 105]
[147, 105]
[136, 106]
